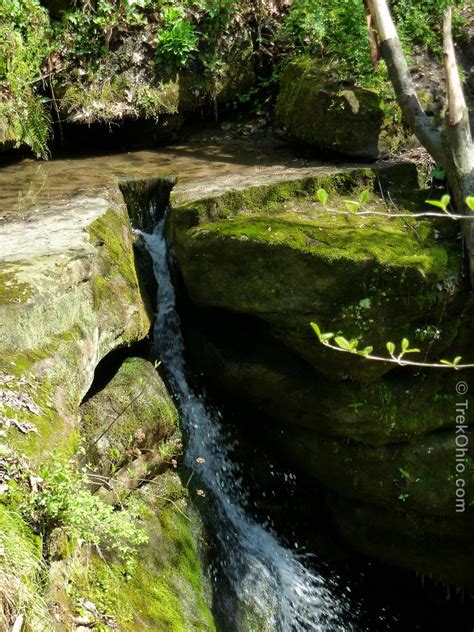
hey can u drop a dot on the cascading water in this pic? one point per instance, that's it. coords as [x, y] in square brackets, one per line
[269, 580]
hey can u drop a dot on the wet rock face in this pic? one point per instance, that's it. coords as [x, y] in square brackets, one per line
[322, 112]
[375, 438]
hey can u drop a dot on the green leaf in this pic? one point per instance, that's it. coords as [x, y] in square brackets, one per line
[454, 364]
[470, 203]
[353, 344]
[365, 352]
[412, 351]
[364, 197]
[342, 343]
[445, 200]
[322, 196]
[326, 337]
[390, 348]
[438, 173]
[446, 362]
[352, 206]
[437, 203]
[316, 329]
[442, 204]
[405, 344]
[403, 472]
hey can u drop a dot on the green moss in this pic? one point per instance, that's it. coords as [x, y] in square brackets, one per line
[13, 290]
[333, 238]
[112, 235]
[318, 110]
[112, 231]
[134, 409]
[270, 197]
[164, 589]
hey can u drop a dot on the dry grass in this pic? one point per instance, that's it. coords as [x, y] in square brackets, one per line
[21, 573]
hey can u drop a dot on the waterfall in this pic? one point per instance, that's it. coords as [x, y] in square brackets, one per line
[268, 579]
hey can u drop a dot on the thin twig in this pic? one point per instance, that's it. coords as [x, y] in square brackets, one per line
[46, 76]
[105, 479]
[400, 215]
[398, 361]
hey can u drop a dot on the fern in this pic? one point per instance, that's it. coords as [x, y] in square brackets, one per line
[24, 116]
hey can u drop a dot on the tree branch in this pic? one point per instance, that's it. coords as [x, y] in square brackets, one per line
[456, 101]
[401, 79]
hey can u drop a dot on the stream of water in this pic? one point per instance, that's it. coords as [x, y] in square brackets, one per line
[273, 584]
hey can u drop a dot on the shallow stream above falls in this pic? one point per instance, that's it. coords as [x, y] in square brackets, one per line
[206, 165]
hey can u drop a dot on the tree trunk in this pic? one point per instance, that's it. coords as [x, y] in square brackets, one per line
[459, 139]
[454, 150]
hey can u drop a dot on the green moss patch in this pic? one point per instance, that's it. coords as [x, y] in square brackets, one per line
[274, 252]
[316, 109]
[164, 589]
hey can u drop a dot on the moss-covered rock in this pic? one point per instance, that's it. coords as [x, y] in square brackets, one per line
[400, 406]
[315, 109]
[419, 475]
[263, 262]
[163, 587]
[134, 412]
[275, 253]
[440, 548]
[63, 309]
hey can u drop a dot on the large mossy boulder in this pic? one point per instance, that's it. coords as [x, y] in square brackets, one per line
[259, 265]
[275, 253]
[64, 305]
[316, 109]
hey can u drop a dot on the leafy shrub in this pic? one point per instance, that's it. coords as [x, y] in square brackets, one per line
[177, 40]
[337, 30]
[65, 500]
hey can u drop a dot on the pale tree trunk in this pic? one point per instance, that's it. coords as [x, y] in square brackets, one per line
[453, 149]
[459, 138]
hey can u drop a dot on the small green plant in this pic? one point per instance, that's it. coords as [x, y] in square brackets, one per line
[166, 450]
[63, 499]
[24, 33]
[443, 204]
[177, 39]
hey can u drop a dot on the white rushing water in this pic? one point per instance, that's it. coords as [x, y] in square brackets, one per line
[269, 580]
